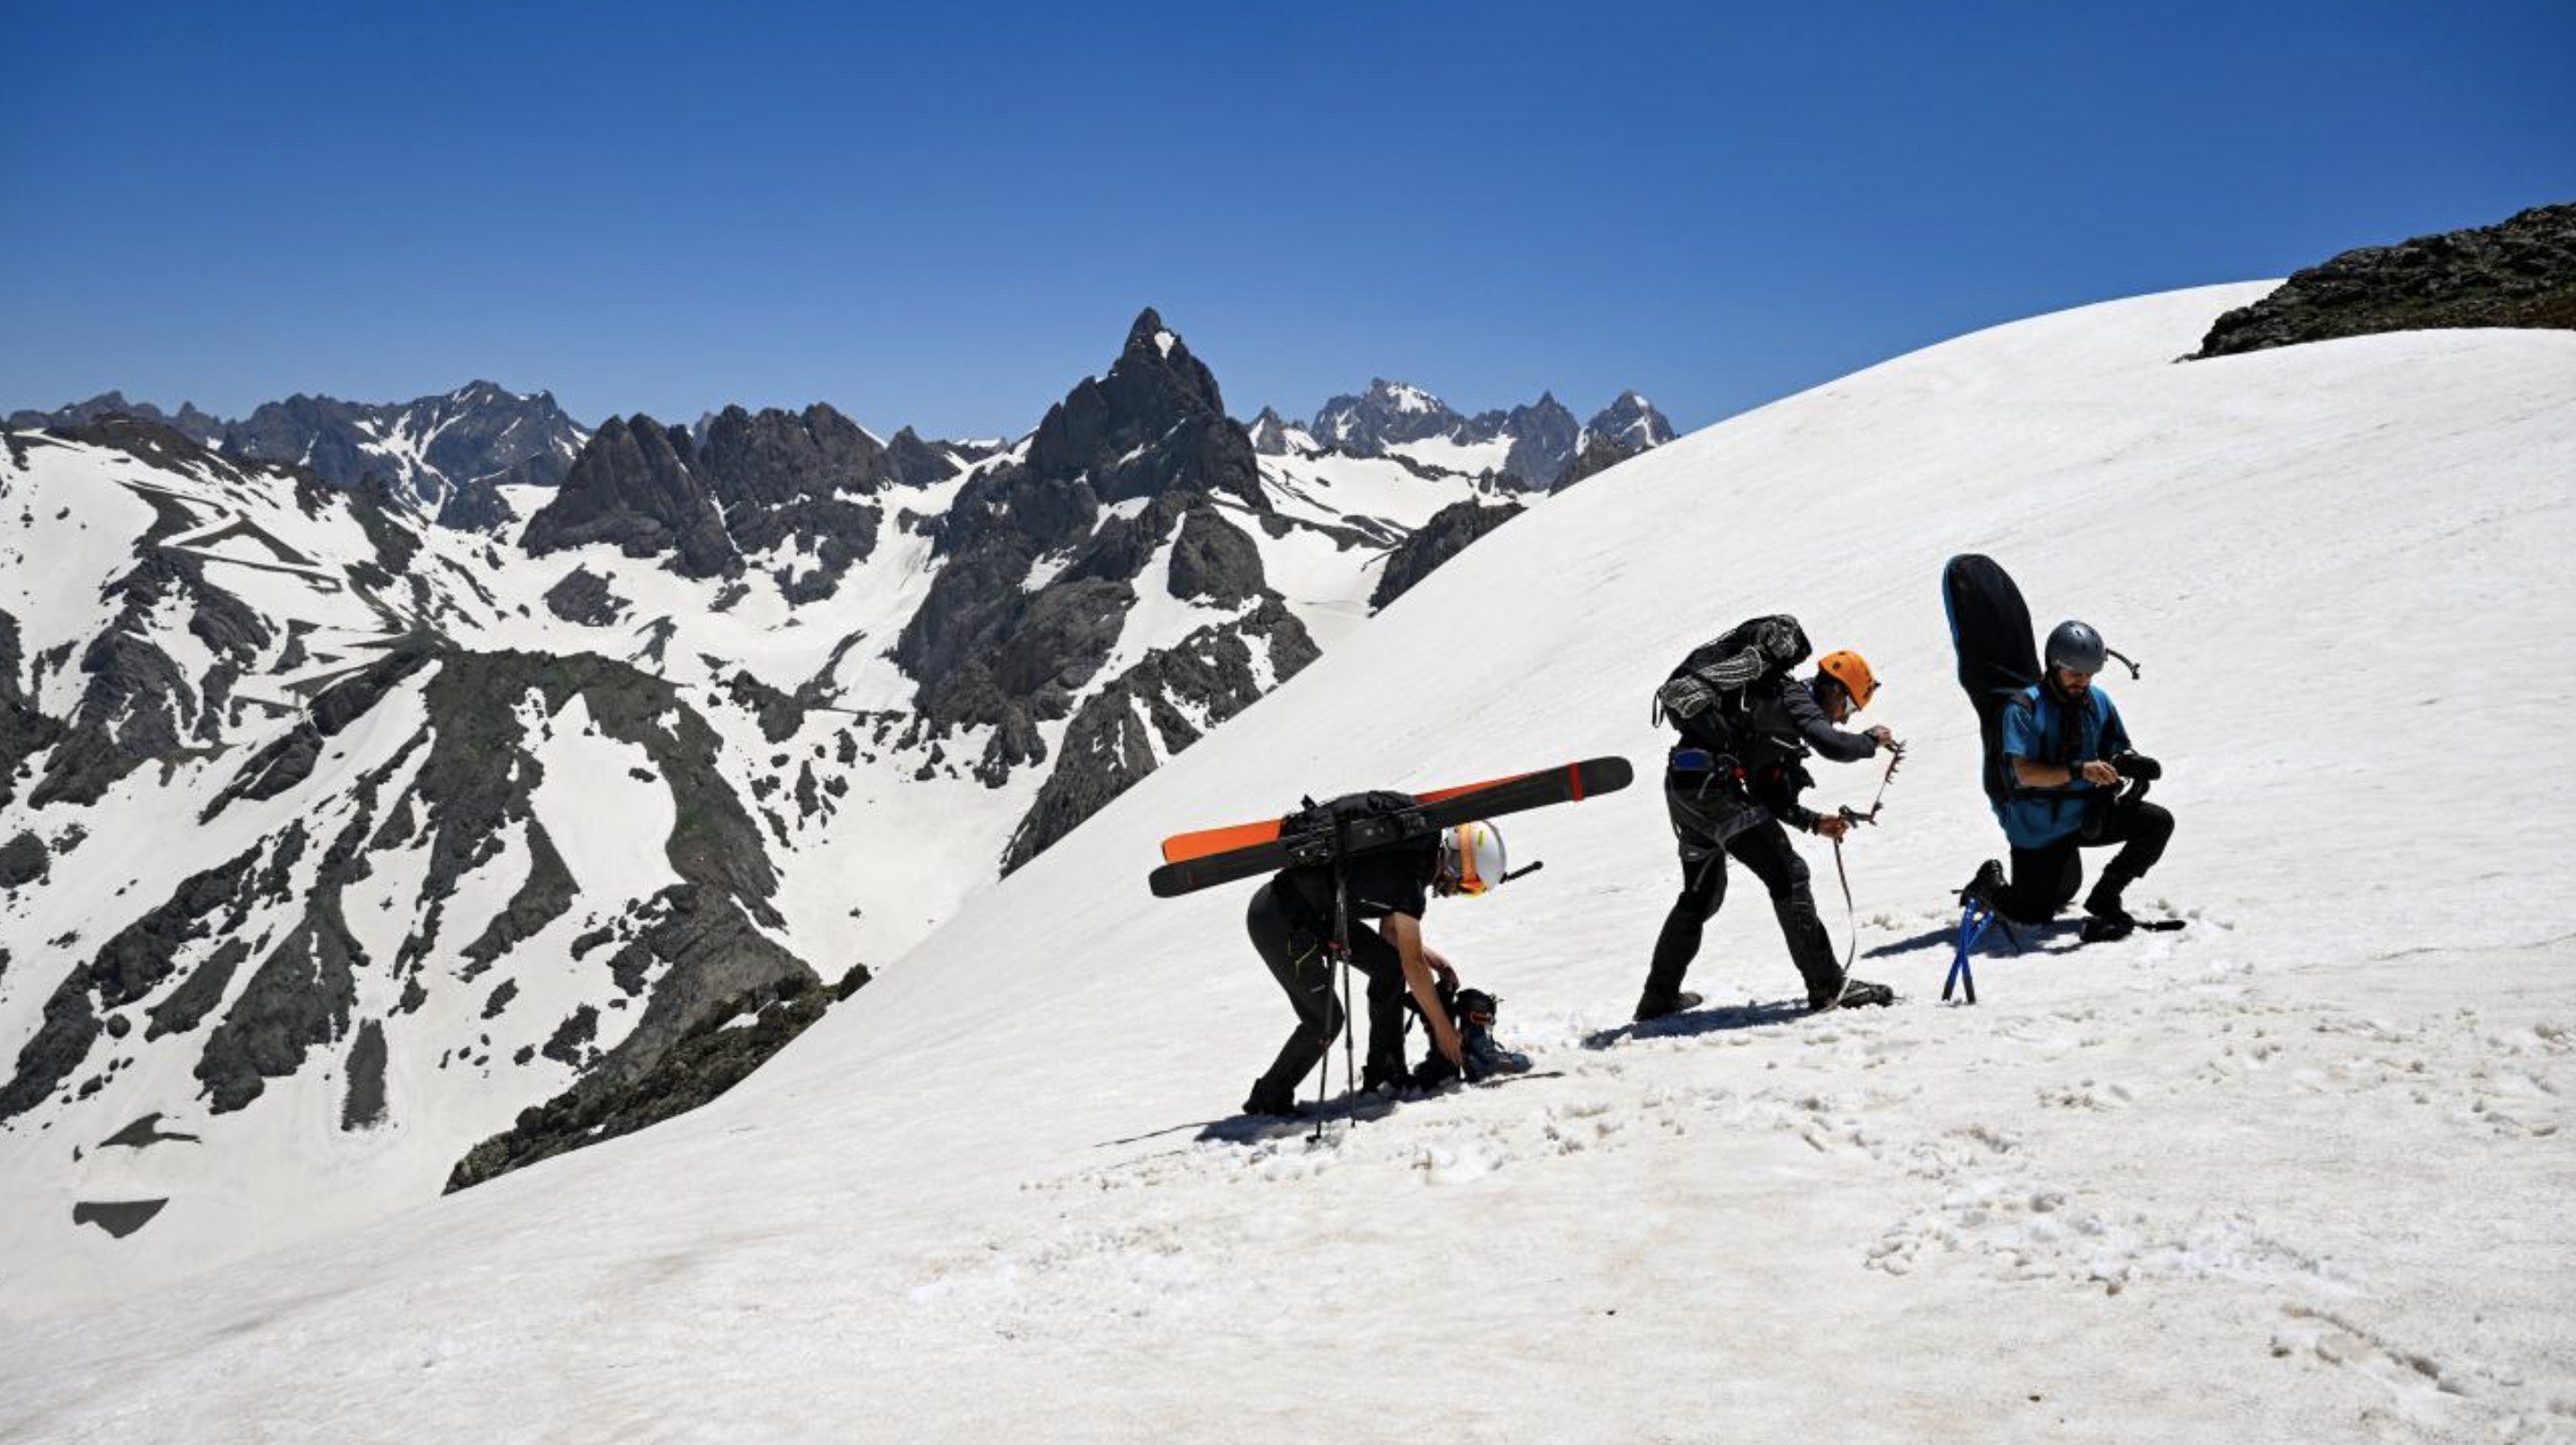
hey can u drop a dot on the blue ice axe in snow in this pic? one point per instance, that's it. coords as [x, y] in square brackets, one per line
[1974, 919]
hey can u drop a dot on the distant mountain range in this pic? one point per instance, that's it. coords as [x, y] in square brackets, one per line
[1538, 447]
[447, 455]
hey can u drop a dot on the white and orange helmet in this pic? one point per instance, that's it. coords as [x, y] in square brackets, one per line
[1471, 857]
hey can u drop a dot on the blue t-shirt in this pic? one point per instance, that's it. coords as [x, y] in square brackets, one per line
[2039, 727]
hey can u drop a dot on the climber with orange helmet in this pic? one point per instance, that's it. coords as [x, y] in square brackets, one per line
[1291, 922]
[1747, 725]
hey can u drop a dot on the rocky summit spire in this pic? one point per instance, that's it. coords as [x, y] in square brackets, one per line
[1156, 422]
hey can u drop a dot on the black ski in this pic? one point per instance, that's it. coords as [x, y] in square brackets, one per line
[1568, 783]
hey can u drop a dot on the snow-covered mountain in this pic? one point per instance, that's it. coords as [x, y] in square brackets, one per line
[345, 844]
[2299, 1171]
[446, 454]
[1528, 448]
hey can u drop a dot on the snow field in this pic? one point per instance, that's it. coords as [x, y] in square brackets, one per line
[2297, 1172]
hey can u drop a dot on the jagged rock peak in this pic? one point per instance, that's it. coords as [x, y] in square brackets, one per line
[1156, 422]
[1388, 412]
[1275, 436]
[1632, 422]
[1150, 334]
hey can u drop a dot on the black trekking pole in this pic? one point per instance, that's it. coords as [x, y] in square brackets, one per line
[1342, 953]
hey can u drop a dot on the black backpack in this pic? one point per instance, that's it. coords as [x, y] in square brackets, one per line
[1359, 823]
[1707, 696]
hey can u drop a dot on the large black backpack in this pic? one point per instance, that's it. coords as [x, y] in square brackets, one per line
[1708, 696]
[1360, 822]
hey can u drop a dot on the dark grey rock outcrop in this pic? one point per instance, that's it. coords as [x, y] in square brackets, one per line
[634, 487]
[1107, 749]
[1156, 422]
[195, 425]
[2519, 273]
[1630, 422]
[1445, 535]
[1600, 453]
[686, 1049]
[136, 960]
[24, 859]
[1544, 436]
[1388, 412]
[752, 482]
[1269, 434]
[433, 448]
[1154, 429]
[584, 597]
[916, 463]
[1214, 561]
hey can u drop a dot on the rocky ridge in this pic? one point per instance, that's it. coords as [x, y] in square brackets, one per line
[2520, 273]
[447, 454]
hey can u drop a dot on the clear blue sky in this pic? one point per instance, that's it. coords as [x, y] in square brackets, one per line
[946, 215]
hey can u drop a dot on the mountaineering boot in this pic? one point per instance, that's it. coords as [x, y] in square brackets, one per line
[1651, 1006]
[1855, 993]
[2105, 919]
[2108, 927]
[1270, 1103]
[1987, 887]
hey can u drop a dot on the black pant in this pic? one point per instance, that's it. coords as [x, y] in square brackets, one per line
[1763, 848]
[2044, 880]
[1296, 952]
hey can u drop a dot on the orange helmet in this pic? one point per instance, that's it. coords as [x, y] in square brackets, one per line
[1848, 669]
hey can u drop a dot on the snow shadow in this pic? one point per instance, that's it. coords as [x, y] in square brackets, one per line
[1699, 1021]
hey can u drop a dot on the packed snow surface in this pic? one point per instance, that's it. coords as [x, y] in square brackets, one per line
[2298, 1172]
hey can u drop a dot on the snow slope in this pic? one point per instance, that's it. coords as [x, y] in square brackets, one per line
[2298, 1172]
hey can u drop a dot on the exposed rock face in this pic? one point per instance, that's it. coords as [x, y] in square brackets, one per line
[1544, 436]
[1545, 440]
[1273, 436]
[585, 597]
[714, 1055]
[1599, 455]
[1154, 429]
[755, 483]
[1214, 560]
[132, 963]
[1436, 541]
[477, 436]
[137, 705]
[634, 487]
[1631, 423]
[2521, 273]
[191, 423]
[446, 452]
[916, 463]
[1155, 422]
[24, 860]
[1113, 742]
[1389, 411]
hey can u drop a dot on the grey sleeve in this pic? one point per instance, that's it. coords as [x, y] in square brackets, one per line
[1829, 741]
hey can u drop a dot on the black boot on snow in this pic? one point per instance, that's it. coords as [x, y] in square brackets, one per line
[2105, 920]
[2108, 926]
[1653, 1006]
[1856, 993]
[1987, 887]
[1266, 1103]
